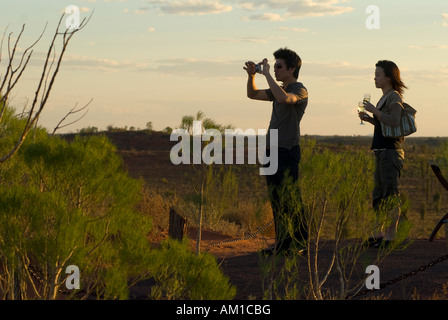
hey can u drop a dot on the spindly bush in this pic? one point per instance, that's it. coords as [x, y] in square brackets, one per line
[335, 196]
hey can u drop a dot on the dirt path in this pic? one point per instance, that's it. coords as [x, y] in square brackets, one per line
[240, 261]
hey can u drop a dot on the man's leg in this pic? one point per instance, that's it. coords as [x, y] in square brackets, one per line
[286, 201]
[296, 211]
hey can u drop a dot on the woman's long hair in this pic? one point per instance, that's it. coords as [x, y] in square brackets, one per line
[391, 70]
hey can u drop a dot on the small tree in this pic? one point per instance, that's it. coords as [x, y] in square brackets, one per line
[167, 130]
[203, 176]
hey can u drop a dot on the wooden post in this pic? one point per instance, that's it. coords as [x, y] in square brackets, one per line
[178, 225]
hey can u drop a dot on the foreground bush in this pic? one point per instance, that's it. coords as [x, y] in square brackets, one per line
[181, 275]
[72, 203]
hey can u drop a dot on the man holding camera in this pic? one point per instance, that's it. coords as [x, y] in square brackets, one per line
[289, 104]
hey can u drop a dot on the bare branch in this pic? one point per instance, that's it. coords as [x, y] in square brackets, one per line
[71, 112]
[45, 83]
[1, 45]
[83, 23]
[10, 72]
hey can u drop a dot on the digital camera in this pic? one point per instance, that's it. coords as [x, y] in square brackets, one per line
[259, 68]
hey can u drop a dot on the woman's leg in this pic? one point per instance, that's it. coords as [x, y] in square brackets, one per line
[391, 162]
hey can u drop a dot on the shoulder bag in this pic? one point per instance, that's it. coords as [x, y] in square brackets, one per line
[407, 125]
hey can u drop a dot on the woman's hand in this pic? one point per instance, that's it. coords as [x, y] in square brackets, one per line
[368, 106]
[365, 117]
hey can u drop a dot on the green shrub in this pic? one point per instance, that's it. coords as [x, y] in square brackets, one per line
[72, 203]
[180, 274]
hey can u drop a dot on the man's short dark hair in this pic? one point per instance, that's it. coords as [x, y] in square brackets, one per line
[291, 58]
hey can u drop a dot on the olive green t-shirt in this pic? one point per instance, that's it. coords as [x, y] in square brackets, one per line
[286, 117]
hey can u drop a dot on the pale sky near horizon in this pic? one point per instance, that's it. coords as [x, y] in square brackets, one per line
[157, 60]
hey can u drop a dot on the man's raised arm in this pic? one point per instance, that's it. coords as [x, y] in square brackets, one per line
[252, 90]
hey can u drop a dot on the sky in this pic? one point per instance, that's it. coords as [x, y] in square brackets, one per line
[155, 61]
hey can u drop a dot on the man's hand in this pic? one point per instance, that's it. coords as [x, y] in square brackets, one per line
[266, 66]
[252, 91]
[250, 68]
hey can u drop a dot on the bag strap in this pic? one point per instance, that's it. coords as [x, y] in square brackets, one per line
[384, 98]
[407, 108]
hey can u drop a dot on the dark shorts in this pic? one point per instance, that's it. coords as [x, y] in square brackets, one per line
[388, 165]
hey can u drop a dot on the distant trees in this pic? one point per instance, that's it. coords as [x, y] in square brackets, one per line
[207, 123]
[88, 130]
[168, 130]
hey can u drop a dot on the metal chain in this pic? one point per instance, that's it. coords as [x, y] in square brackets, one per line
[250, 236]
[400, 278]
[360, 293]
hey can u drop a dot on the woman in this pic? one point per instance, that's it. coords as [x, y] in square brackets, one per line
[389, 155]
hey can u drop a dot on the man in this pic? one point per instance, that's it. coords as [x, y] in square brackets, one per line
[289, 104]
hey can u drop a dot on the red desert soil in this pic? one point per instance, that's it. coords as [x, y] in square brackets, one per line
[240, 260]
